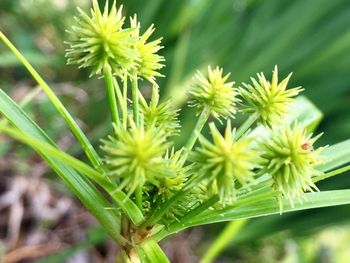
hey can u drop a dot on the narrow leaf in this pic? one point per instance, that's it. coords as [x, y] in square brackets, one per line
[87, 147]
[336, 156]
[51, 151]
[264, 207]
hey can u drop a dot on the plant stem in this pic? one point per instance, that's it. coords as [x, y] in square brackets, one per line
[83, 140]
[135, 99]
[225, 238]
[203, 118]
[245, 126]
[121, 101]
[138, 196]
[108, 77]
[125, 99]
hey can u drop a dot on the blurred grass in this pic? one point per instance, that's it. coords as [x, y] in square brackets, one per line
[309, 37]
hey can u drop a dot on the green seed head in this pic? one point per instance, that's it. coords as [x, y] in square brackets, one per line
[271, 100]
[290, 159]
[100, 41]
[214, 93]
[136, 155]
[149, 62]
[225, 161]
[162, 115]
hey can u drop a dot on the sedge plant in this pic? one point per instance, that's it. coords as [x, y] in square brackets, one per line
[268, 165]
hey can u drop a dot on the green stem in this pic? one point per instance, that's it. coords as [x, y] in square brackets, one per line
[121, 100]
[203, 118]
[135, 99]
[138, 196]
[223, 240]
[245, 126]
[108, 77]
[86, 145]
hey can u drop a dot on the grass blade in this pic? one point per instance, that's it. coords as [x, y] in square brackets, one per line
[337, 155]
[266, 206]
[87, 147]
[36, 137]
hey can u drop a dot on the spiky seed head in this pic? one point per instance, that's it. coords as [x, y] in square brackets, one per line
[225, 161]
[162, 115]
[214, 93]
[135, 155]
[168, 185]
[149, 61]
[271, 100]
[100, 41]
[290, 159]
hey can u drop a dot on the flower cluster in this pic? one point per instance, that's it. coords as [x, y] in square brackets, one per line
[136, 155]
[225, 161]
[140, 153]
[270, 100]
[163, 115]
[101, 41]
[290, 159]
[214, 93]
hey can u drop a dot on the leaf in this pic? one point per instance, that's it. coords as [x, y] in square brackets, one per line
[336, 156]
[53, 153]
[81, 187]
[87, 147]
[305, 112]
[263, 207]
[150, 252]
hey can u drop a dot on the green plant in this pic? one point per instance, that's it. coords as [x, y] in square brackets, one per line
[157, 190]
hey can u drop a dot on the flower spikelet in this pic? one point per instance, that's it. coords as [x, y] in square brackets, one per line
[149, 61]
[168, 185]
[100, 41]
[289, 157]
[225, 161]
[214, 93]
[162, 115]
[136, 155]
[270, 100]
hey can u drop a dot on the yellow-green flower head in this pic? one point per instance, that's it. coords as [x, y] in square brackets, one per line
[225, 161]
[214, 93]
[168, 185]
[270, 100]
[162, 115]
[289, 157]
[149, 62]
[136, 155]
[100, 41]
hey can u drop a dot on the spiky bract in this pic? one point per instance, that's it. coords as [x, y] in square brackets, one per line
[100, 41]
[214, 93]
[271, 100]
[225, 161]
[290, 159]
[136, 155]
[149, 62]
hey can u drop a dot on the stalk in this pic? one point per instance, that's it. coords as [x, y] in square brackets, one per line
[135, 99]
[203, 118]
[245, 126]
[108, 77]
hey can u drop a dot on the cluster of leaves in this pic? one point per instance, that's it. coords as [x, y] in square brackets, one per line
[158, 189]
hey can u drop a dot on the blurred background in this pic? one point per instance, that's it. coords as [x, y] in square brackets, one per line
[40, 221]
